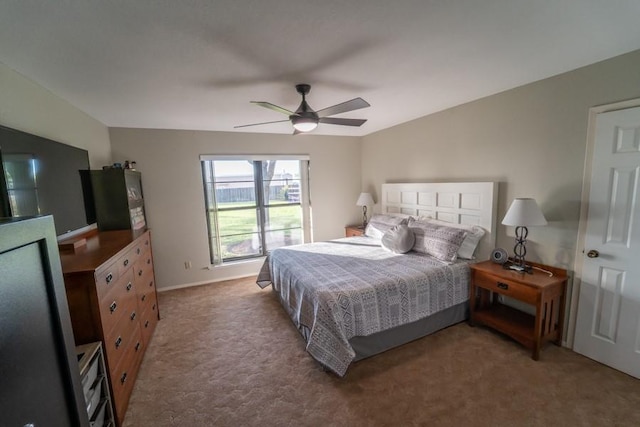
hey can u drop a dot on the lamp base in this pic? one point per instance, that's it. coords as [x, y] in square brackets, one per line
[364, 216]
[520, 268]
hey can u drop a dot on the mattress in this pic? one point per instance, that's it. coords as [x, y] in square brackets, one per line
[352, 287]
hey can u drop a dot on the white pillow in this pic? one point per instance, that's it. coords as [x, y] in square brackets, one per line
[380, 224]
[399, 239]
[439, 241]
[470, 242]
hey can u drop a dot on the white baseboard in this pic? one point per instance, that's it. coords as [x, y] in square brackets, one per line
[205, 282]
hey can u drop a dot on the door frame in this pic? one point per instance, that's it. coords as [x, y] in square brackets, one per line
[584, 209]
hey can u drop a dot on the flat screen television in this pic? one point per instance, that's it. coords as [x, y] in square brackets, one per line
[39, 176]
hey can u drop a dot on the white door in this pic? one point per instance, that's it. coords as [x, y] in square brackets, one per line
[608, 319]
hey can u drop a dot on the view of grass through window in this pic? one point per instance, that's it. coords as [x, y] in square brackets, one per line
[253, 206]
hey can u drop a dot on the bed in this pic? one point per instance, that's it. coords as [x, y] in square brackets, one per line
[350, 298]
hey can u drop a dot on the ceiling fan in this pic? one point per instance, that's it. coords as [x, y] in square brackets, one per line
[305, 119]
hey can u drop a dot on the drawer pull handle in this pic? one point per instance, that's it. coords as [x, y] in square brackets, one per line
[144, 297]
[109, 278]
[126, 262]
[129, 285]
[146, 324]
[146, 243]
[113, 307]
[503, 286]
[148, 261]
[154, 307]
[123, 378]
[138, 346]
[138, 251]
[151, 284]
[133, 315]
[140, 273]
[118, 342]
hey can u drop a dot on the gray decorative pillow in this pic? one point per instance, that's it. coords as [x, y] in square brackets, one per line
[399, 239]
[439, 241]
[380, 224]
[470, 242]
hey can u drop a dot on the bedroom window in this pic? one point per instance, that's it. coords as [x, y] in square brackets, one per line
[255, 204]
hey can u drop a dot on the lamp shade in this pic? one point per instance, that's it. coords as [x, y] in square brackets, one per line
[524, 212]
[365, 199]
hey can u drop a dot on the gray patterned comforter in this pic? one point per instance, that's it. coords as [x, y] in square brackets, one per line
[351, 287]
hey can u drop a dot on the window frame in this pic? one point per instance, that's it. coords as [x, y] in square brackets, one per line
[214, 240]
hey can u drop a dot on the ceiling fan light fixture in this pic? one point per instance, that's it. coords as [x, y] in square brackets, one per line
[305, 119]
[304, 124]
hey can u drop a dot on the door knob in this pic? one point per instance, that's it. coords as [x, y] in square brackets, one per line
[593, 253]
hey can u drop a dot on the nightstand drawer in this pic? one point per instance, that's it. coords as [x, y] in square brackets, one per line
[506, 287]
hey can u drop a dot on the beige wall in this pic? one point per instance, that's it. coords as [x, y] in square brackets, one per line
[27, 106]
[172, 181]
[530, 139]
[174, 195]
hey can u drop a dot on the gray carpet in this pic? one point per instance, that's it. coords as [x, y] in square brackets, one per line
[226, 354]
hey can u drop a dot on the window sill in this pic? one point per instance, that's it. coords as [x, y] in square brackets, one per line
[228, 264]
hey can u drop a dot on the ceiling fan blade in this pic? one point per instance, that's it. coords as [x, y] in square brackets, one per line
[258, 124]
[343, 122]
[273, 107]
[354, 104]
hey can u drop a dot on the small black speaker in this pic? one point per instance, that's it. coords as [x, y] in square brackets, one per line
[499, 256]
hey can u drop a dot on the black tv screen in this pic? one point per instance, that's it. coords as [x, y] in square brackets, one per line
[42, 177]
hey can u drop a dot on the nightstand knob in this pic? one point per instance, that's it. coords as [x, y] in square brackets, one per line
[503, 286]
[593, 253]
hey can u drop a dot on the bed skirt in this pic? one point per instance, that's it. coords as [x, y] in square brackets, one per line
[386, 340]
[379, 342]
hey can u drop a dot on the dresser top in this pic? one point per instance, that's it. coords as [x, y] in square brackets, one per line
[100, 248]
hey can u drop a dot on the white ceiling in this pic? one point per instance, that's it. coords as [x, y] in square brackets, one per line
[196, 64]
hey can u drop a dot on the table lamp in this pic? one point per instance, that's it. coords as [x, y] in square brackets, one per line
[364, 200]
[523, 213]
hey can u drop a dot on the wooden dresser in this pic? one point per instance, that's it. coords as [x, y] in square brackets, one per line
[112, 298]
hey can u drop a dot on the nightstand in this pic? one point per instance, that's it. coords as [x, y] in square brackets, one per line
[353, 230]
[546, 293]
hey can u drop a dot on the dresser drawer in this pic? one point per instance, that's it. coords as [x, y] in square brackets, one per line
[505, 287]
[149, 318]
[143, 243]
[126, 261]
[124, 374]
[145, 283]
[120, 300]
[146, 296]
[144, 265]
[106, 277]
[121, 336]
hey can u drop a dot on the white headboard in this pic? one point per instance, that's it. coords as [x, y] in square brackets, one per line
[471, 203]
